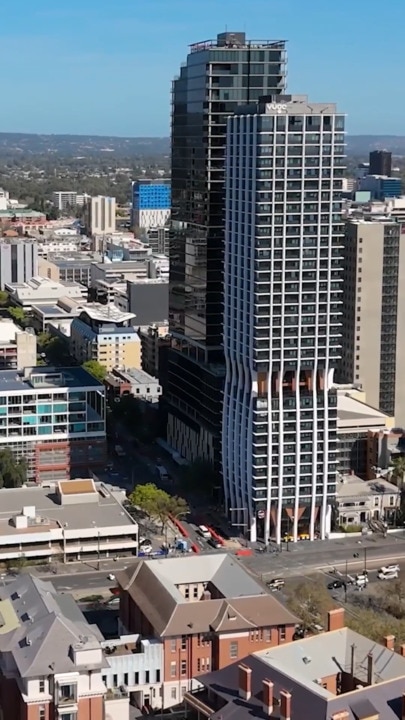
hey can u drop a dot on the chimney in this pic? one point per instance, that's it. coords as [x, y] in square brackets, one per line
[285, 705]
[336, 619]
[245, 682]
[402, 650]
[343, 715]
[370, 669]
[352, 659]
[389, 642]
[268, 688]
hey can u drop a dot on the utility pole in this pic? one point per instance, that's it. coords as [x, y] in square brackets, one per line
[346, 584]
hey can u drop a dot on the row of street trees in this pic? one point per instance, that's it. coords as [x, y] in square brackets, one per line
[158, 504]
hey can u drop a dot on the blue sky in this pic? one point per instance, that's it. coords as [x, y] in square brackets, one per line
[105, 66]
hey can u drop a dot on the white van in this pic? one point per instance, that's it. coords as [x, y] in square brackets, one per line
[361, 580]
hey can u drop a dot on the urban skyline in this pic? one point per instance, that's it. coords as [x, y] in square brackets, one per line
[141, 45]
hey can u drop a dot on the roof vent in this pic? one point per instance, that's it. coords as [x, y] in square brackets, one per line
[306, 659]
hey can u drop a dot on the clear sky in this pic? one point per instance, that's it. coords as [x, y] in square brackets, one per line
[105, 66]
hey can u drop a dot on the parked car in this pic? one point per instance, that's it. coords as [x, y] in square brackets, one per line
[276, 584]
[214, 543]
[336, 584]
[388, 574]
[204, 532]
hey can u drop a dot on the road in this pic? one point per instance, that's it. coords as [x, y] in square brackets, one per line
[303, 557]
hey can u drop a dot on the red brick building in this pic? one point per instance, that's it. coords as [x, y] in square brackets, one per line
[207, 611]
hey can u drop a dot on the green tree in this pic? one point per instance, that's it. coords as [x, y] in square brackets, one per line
[18, 315]
[96, 369]
[43, 340]
[4, 298]
[149, 498]
[13, 473]
[397, 473]
[158, 503]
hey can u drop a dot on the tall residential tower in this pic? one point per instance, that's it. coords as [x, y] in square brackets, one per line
[282, 322]
[219, 76]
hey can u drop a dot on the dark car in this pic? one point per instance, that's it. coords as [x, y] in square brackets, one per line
[336, 584]
[214, 543]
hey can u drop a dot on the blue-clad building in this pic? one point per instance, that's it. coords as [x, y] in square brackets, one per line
[151, 202]
[381, 186]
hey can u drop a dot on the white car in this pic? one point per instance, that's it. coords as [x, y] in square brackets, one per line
[389, 575]
[389, 568]
[204, 532]
[110, 577]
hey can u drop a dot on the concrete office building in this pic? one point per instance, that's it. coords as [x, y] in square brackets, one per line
[64, 199]
[76, 520]
[18, 348]
[373, 343]
[151, 201]
[204, 95]
[18, 261]
[158, 239]
[104, 333]
[99, 217]
[42, 291]
[148, 300]
[282, 315]
[380, 163]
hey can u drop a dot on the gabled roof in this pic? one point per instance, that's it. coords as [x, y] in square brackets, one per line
[242, 603]
[48, 626]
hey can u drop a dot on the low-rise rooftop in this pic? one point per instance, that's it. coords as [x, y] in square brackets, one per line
[352, 485]
[43, 377]
[106, 512]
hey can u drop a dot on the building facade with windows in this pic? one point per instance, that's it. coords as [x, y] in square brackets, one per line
[104, 333]
[373, 344]
[18, 261]
[51, 660]
[282, 315]
[218, 76]
[100, 215]
[55, 419]
[151, 202]
[206, 611]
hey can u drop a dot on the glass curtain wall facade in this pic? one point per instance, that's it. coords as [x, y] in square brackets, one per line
[282, 321]
[219, 76]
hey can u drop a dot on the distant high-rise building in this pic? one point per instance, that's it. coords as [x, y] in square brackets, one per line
[380, 163]
[282, 315]
[64, 199]
[18, 261]
[373, 345]
[219, 75]
[100, 215]
[151, 200]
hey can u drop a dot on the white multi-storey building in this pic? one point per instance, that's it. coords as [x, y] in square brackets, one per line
[283, 270]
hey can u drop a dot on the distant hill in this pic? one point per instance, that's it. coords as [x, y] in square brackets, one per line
[362, 144]
[21, 144]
